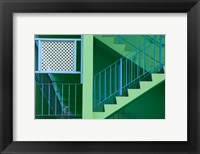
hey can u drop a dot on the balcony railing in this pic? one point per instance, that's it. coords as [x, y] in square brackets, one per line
[58, 55]
[59, 100]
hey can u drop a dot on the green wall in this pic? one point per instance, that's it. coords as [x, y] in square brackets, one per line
[87, 76]
[103, 56]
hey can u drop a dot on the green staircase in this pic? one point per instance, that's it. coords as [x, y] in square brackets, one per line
[119, 48]
[122, 101]
[143, 65]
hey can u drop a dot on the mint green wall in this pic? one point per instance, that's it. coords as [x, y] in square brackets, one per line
[87, 76]
[103, 56]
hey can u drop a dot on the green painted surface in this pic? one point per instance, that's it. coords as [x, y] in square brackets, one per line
[132, 94]
[100, 52]
[38, 104]
[108, 50]
[103, 56]
[87, 76]
[59, 79]
[150, 105]
[131, 44]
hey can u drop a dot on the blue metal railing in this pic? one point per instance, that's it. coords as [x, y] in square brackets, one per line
[138, 45]
[126, 72]
[150, 44]
[60, 100]
[155, 44]
[75, 67]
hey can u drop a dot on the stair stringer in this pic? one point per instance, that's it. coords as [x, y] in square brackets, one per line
[121, 101]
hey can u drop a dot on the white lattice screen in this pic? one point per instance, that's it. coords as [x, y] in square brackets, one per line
[58, 56]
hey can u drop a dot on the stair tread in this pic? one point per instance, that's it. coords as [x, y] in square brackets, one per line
[132, 94]
[157, 76]
[120, 48]
[105, 39]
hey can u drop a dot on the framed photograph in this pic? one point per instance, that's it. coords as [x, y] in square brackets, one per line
[99, 76]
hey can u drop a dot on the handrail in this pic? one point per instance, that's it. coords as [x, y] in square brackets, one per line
[152, 38]
[114, 79]
[138, 48]
[126, 57]
[136, 79]
[53, 82]
[57, 39]
[129, 54]
[113, 64]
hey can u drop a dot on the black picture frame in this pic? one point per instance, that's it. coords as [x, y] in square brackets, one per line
[8, 7]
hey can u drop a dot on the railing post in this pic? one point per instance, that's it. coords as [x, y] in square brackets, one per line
[39, 55]
[69, 99]
[160, 60]
[149, 63]
[49, 100]
[81, 59]
[42, 99]
[155, 51]
[99, 88]
[105, 84]
[75, 101]
[55, 104]
[75, 53]
[62, 99]
[94, 94]
[119, 40]
[120, 77]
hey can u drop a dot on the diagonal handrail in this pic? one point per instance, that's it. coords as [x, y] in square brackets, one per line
[133, 82]
[153, 39]
[130, 54]
[127, 57]
[114, 79]
[138, 48]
